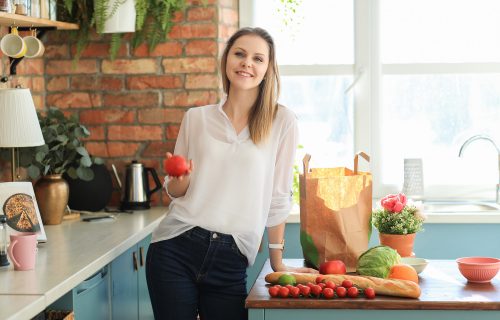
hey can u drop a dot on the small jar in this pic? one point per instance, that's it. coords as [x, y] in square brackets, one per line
[21, 7]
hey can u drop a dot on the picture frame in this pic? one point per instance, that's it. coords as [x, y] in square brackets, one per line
[18, 203]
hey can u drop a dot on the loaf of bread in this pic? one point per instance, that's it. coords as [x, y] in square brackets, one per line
[388, 287]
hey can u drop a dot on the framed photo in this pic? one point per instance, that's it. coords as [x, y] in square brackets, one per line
[18, 203]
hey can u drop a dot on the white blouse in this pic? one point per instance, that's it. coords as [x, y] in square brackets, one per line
[236, 187]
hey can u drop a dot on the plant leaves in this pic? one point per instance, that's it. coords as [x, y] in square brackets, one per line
[86, 174]
[85, 161]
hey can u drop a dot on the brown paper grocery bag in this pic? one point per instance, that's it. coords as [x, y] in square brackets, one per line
[335, 213]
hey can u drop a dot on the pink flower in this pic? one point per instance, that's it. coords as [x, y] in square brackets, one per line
[394, 202]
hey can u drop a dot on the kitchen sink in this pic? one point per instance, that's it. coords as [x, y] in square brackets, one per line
[461, 206]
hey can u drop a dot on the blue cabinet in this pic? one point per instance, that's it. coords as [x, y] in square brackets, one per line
[90, 299]
[129, 292]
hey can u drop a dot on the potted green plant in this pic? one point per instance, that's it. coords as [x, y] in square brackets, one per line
[398, 220]
[153, 21]
[63, 152]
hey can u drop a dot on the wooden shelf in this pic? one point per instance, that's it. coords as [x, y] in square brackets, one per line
[10, 19]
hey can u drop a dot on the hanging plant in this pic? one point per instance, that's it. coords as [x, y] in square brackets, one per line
[153, 21]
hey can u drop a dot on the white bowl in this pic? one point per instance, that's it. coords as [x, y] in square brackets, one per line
[418, 264]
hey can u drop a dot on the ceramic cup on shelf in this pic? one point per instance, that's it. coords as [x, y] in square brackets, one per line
[34, 46]
[12, 45]
[22, 250]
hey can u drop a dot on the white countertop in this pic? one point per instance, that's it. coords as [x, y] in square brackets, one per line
[74, 251]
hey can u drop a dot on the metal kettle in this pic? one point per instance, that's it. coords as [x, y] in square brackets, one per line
[136, 194]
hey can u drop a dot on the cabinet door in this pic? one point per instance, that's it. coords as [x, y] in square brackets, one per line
[145, 309]
[91, 297]
[124, 285]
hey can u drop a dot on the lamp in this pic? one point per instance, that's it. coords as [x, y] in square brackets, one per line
[19, 126]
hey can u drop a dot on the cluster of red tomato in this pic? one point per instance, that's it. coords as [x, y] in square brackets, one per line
[327, 290]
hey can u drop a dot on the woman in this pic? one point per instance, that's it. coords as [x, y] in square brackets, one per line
[243, 150]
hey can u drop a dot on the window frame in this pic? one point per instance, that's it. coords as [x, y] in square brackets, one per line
[368, 72]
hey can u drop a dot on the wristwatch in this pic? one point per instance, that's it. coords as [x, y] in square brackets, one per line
[279, 246]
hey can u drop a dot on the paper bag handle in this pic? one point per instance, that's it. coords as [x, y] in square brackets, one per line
[305, 163]
[362, 154]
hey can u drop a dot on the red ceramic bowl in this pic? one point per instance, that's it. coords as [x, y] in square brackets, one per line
[478, 269]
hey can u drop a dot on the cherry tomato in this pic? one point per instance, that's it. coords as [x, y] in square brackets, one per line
[294, 292]
[328, 293]
[273, 291]
[289, 286]
[352, 292]
[310, 284]
[347, 283]
[316, 290]
[284, 292]
[341, 292]
[322, 285]
[330, 284]
[370, 293]
[305, 291]
[320, 278]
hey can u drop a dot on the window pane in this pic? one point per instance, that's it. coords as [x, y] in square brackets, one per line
[321, 32]
[430, 116]
[325, 117]
[440, 31]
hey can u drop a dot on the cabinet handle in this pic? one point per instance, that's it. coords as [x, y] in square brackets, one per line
[141, 256]
[134, 256]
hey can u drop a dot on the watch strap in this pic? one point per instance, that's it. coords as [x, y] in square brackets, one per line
[279, 246]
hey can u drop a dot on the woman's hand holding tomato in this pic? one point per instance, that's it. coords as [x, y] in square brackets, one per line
[176, 166]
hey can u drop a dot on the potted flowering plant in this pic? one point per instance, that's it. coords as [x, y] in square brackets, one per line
[398, 220]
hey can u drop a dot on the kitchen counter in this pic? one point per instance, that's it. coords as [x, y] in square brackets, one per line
[443, 289]
[74, 251]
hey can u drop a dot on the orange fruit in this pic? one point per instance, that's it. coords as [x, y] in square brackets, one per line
[403, 272]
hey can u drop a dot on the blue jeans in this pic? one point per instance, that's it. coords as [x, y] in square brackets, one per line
[198, 272]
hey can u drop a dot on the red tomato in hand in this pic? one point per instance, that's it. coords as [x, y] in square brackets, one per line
[370, 293]
[332, 267]
[175, 166]
[341, 292]
[347, 283]
[352, 292]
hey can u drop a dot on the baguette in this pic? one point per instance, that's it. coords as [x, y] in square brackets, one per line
[388, 287]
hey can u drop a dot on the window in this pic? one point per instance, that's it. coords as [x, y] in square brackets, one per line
[398, 79]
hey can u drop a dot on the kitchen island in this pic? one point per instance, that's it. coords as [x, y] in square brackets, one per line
[74, 251]
[445, 295]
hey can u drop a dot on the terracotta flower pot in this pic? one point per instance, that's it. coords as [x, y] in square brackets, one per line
[402, 243]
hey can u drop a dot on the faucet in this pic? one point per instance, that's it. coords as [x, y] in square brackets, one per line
[487, 138]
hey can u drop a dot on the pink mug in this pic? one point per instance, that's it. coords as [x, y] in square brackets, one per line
[22, 250]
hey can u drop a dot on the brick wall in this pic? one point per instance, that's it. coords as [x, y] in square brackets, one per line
[133, 105]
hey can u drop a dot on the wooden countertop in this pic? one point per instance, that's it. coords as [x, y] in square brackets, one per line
[443, 288]
[74, 251]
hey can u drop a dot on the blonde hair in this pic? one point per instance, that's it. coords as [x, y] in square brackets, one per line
[263, 111]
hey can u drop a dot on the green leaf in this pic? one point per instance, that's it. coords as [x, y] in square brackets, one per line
[72, 173]
[82, 151]
[309, 249]
[33, 171]
[85, 161]
[85, 174]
